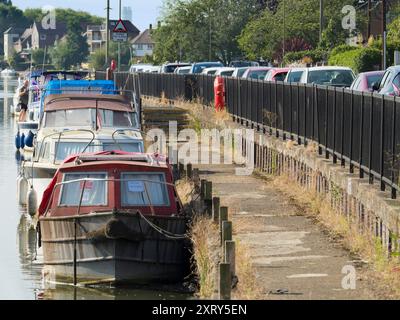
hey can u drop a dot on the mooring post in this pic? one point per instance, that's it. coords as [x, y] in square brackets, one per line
[202, 188]
[225, 281]
[181, 170]
[208, 198]
[230, 256]
[189, 171]
[216, 207]
[223, 216]
[226, 232]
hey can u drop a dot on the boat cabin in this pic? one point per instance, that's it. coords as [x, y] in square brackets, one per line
[112, 182]
[76, 123]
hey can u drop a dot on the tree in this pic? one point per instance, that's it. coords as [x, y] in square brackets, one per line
[263, 35]
[196, 30]
[71, 51]
[97, 59]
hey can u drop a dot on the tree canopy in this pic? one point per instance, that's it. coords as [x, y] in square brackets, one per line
[196, 30]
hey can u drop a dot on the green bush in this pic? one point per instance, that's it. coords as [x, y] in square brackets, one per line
[341, 49]
[316, 55]
[391, 46]
[357, 58]
[368, 59]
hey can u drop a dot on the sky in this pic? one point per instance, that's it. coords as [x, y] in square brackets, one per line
[145, 12]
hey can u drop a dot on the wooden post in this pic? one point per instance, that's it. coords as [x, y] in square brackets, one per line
[230, 256]
[181, 170]
[226, 231]
[216, 207]
[225, 281]
[189, 171]
[223, 216]
[208, 198]
[203, 189]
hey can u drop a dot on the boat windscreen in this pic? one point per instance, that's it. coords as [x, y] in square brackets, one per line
[141, 189]
[94, 191]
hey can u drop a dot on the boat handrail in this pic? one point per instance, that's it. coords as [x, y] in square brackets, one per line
[121, 131]
[59, 134]
[85, 180]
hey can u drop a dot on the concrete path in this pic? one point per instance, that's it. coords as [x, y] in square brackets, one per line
[294, 258]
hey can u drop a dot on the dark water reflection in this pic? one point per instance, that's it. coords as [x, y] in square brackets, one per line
[20, 261]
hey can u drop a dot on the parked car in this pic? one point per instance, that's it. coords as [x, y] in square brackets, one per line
[200, 66]
[330, 76]
[241, 64]
[239, 72]
[183, 70]
[294, 75]
[140, 67]
[258, 73]
[210, 71]
[277, 74]
[171, 67]
[390, 83]
[225, 72]
[366, 80]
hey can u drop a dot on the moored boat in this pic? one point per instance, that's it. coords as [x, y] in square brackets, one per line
[114, 217]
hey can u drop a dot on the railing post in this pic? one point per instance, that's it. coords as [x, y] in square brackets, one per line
[230, 256]
[208, 201]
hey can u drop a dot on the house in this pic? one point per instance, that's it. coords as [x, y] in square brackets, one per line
[143, 44]
[42, 38]
[97, 35]
[11, 35]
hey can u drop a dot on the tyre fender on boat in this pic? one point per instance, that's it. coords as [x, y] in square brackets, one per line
[22, 189]
[22, 141]
[32, 201]
[18, 141]
[29, 139]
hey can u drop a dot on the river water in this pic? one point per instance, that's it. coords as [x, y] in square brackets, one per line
[20, 261]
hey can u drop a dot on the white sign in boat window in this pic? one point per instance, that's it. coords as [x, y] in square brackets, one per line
[94, 190]
[144, 190]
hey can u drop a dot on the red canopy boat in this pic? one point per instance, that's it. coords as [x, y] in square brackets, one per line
[114, 217]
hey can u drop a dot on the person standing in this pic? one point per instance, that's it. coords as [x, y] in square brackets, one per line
[23, 101]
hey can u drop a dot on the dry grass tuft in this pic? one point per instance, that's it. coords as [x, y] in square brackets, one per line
[206, 255]
[247, 288]
[185, 189]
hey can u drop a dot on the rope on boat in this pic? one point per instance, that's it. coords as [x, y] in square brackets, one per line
[165, 233]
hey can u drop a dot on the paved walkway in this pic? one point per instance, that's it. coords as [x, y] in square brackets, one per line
[294, 258]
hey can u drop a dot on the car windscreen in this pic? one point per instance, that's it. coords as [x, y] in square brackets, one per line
[199, 68]
[259, 75]
[280, 76]
[339, 78]
[376, 78]
[295, 76]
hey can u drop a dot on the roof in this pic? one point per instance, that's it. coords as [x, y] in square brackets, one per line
[143, 38]
[14, 30]
[328, 68]
[117, 158]
[88, 101]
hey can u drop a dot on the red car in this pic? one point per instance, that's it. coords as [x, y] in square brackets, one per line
[277, 74]
[365, 81]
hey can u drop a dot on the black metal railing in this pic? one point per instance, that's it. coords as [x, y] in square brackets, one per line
[358, 130]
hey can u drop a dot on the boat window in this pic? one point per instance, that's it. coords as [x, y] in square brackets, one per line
[66, 149]
[94, 193]
[109, 118]
[127, 147]
[70, 118]
[143, 189]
